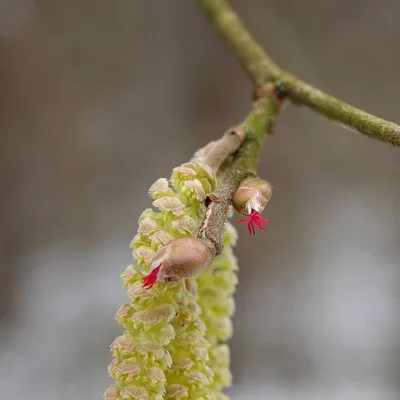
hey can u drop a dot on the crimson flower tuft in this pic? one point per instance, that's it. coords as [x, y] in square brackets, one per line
[150, 279]
[255, 220]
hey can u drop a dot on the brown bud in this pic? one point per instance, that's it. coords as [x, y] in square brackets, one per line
[181, 259]
[257, 183]
[252, 194]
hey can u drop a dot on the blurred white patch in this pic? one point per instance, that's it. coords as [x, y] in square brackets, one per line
[65, 323]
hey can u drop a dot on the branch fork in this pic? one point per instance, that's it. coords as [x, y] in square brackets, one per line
[262, 69]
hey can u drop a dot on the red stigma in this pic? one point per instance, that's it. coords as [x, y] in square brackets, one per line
[255, 220]
[150, 279]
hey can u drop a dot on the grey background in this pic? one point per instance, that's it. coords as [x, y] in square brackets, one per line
[99, 98]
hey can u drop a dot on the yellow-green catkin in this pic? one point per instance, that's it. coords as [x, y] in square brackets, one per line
[164, 351]
[216, 286]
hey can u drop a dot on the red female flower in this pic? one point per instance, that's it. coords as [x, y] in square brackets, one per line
[255, 220]
[179, 259]
[250, 199]
[150, 279]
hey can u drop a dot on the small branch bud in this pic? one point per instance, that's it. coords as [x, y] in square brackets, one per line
[250, 199]
[252, 194]
[179, 259]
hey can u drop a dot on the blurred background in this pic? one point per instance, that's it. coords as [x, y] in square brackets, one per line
[99, 98]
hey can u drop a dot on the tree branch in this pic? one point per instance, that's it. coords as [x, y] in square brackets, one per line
[215, 153]
[243, 166]
[262, 69]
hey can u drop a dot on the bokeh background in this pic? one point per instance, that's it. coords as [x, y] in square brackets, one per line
[98, 98]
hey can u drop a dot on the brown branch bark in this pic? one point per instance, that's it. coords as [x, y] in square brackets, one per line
[257, 123]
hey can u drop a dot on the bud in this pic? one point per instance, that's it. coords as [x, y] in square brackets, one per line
[252, 194]
[250, 199]
[179, 259]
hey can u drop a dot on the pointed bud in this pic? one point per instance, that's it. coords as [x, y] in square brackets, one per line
[179, 259]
